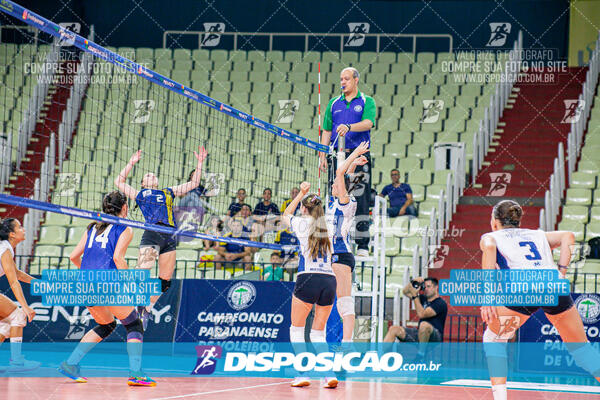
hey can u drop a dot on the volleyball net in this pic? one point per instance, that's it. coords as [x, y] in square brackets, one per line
[92, 108]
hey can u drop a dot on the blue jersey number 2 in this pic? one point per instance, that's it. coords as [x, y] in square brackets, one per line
[535, 254]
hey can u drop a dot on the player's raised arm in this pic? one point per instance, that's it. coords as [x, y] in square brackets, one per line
[291, 208]
[354, 159]
[182, 189]
[120, 181]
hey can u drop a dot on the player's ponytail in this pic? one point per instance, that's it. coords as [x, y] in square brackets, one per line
[112, 204]
[7, 226]
[319, 244]
[509, 213]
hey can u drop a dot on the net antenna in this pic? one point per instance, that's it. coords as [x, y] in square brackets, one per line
[319, 96]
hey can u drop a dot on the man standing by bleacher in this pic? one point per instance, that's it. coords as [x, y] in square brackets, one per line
[352, 116]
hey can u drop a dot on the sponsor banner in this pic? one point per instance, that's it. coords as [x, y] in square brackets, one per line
[57, 323]
[555, 353]
[234, 311]
[444, 361]
[539, 329]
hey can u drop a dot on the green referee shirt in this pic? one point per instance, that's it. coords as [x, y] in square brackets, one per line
[339, 111]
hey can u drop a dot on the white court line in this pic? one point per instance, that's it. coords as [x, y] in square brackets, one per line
[221, 391]
[528, 386]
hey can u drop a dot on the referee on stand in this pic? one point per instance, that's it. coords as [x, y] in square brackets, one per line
[352, 116]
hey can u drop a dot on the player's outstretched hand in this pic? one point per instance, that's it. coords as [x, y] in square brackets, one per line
[362, 160]
[304, 188]
[135, 157]
[201, 154]
[362, 148]
[322, 162]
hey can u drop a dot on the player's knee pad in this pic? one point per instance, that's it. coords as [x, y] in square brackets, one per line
[317, 336]
[345, 305]
[296, 334]
[135, 330]
[165, 284]
[105, 330]
[4, 328]
[587, 358]
[17, 318]
[493, 345]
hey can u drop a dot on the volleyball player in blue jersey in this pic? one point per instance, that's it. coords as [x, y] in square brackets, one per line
[103, 246]
[340, 217]
[157, 207]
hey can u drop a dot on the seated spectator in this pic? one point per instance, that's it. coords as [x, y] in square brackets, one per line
[235, 207]
[245, 217]
[431, 310]
[190, 210]
[234, 253]
[266, 209]
[215, 228]
[400, 195]
[286, 237]
[293, 195]
[273, 272]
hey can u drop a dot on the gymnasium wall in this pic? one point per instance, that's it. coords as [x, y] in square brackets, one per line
[121, 23]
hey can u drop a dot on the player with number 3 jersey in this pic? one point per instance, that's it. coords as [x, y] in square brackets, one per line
[510, 247]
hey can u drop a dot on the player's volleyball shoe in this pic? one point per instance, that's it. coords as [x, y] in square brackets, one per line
[140, 379]
[72, 371]
[22, 365]
[300, 381]
[362, 253]
[329, 382]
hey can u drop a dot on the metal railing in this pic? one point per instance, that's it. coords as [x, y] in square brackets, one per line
[36, 101]
[555, 195]
[44, 184]
[5, 160]
[498, 101]
[308, 35]
[71, 111]
[463, 328]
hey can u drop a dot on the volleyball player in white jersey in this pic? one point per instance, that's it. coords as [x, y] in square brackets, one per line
[12, 317]
[340, 217]
[315, 281]
[509, 247]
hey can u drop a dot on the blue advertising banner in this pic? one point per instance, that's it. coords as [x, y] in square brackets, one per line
[555, 353]
[539, 329]
[218, 310]
[55, 323]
